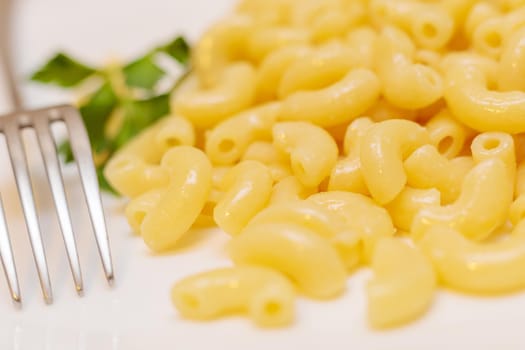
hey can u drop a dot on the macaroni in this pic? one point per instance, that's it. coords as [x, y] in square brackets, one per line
[266, 295]
[482, 206]
[311, 162]
[395, 298]
[485, 268]
[178, 208]
[298, 252]
[382, 151]
[247, 188]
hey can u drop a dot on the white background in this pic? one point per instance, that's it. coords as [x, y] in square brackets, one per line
[136, 312]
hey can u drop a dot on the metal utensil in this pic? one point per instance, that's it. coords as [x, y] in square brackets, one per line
[40, 120]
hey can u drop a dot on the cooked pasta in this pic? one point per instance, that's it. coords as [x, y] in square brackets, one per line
[331, 128]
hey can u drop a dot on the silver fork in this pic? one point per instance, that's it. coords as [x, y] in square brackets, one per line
[11, 126]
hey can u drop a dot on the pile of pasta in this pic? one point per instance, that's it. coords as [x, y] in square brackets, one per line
[328, 135]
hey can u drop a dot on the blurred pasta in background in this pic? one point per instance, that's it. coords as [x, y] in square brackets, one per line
[327, 135]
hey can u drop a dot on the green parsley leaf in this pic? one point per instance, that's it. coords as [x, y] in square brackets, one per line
[178, 49]
[143, 73]
[63, 71]
[65, 150]
[139, 114]
[103, 182]
[96, 113]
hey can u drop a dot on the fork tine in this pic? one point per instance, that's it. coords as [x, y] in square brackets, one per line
[81, 148]
[54, 177]
[23, 183]
[8, 262]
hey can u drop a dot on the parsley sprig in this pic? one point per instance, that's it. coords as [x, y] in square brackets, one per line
[129, 91]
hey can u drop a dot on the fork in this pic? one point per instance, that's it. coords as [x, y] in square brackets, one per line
[11, 126]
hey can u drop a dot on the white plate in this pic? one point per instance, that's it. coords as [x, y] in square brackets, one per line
[136, 312]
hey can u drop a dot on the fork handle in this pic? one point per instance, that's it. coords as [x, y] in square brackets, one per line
[6, 63]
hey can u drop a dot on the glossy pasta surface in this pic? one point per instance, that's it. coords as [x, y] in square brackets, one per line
[327, 136]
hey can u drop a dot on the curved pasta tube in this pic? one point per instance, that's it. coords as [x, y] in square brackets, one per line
[485, 268]
[319, 219]
[517, 210]
[226, 143]
[447, 134]
[205, 107]
[482, 206]
[405, 84]
[138, 207]
[190, 183]
[473, 104]
[395, 298]
[512, 62]
[336, 104]
[520, 179]
[362, 42]
[383, 148]
[334, 24]
[311, 162]
[408, 203]
[266, 295]
[346, 174]
[133, 169]
[431, 25]
[298, 252]
[267, 11]
[362, 215]
[479, 13]
[317, 69]
[495, 145]
[131, 176]
[289, 189]
[266, 40]
[269, 155]
[272, 69]
[219, 46]
[247, 188]
[384, 110]
[427, 168]
[488, 36]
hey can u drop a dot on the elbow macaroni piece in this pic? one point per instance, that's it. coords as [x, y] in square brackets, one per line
[266, 295]
[319, 219]
[362, 215]
[336, 104]
[138, 207]
[207, 106]
[395, 298]
[288, 190]
[405, 84]
[311, 162]
[473, 104]
[447, 134]
[482, 206]
[427, 168]
[408, 203]
[512, 63]
[226, 143]
[131, 176]
[483, 268]
[269, 155]
[309, 260]
[383, 148]
[180, 205]
[247, 188]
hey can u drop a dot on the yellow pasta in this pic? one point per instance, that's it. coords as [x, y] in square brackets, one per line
[312, 263]
[341, 134]
[485, 268]
[362, 215]
[382, 151]
[226, 143]
[311, 162]
[482, 206]
[266, 295]
[395, 298]
[190, 183]
[247, 190]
